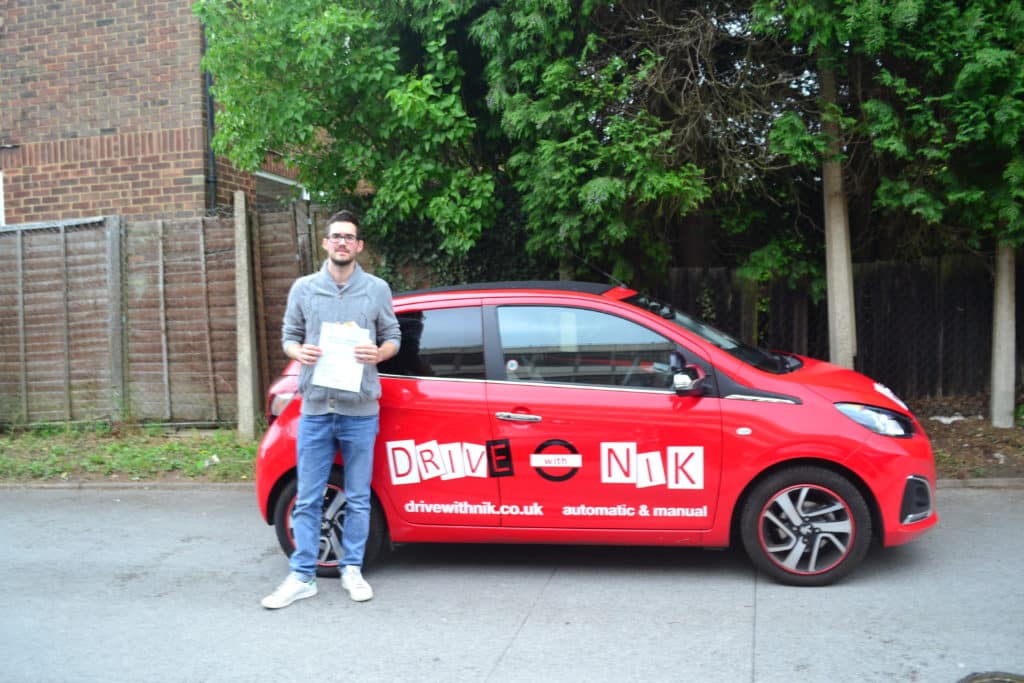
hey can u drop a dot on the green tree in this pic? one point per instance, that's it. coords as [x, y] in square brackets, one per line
[394, 96]
[743, 104]
[818, 33]
[355, 94]
[596, 171]
[937, 87]
[949, 124]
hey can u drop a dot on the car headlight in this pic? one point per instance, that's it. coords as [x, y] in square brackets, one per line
[278, 402]
[878, 420]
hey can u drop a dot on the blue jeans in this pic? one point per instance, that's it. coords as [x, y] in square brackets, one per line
[319, 438]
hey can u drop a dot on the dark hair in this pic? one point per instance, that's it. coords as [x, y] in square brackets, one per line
[343, 216]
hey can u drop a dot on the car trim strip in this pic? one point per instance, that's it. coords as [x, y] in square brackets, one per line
[594, 387]
[431, 378]
[761, 399]
[730, 388]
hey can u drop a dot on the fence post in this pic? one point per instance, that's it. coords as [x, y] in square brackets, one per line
[22, 344]
[66, 315]
[165, 352]
[749, 324]
[245, 323]
[204, 266]
[115, 289]
[303, 237]
[260, 302]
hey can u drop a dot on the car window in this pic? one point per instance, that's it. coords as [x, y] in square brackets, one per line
[769, 361]
[446, 342]
[581, 346]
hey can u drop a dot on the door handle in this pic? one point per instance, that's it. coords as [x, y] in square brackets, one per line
[517, 417]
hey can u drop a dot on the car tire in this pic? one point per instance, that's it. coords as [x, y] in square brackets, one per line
[806, 526]
[334, 516]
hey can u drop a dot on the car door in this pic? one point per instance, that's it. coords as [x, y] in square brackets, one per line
[595, 435]
[434, 435]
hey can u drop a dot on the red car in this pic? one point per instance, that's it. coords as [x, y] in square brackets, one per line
[581, 413]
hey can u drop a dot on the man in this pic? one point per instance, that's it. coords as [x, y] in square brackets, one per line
[333, 418]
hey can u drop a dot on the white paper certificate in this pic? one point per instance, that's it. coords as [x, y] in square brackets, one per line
[337, 366]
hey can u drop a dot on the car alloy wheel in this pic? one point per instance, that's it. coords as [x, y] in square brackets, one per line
[331, 525]
[806, 526]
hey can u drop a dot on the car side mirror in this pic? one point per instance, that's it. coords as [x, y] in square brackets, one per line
[687, 380]
[686, 385]
[682, 382]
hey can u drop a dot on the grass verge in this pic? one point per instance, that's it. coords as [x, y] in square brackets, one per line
[101, 451]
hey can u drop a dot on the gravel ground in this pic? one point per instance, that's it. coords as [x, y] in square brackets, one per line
[965, 443]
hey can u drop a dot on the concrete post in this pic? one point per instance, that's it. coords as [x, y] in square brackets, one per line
[245, 319]
[1004, 339]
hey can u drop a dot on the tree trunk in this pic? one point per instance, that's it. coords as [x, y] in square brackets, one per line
[842, 329]
[1004, 342]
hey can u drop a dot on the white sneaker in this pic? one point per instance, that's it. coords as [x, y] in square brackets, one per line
[291, 589]
[352, 580]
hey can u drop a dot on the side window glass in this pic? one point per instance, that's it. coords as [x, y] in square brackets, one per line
[446, 342]
[580, 346]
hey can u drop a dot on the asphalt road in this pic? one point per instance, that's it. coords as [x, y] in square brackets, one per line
[163, 584]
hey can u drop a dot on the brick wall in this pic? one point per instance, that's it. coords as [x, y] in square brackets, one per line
[105, 104]
[132, 174]
[230, 179]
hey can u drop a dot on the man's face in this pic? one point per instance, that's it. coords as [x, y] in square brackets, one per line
[342, 243]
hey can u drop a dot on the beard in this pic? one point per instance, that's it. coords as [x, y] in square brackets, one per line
[340, 258]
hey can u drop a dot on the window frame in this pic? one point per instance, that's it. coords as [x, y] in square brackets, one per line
[426, 309]
[494, 348]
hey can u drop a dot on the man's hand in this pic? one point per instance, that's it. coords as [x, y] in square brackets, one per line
[367, 353]
[307, 354]
[371, 354]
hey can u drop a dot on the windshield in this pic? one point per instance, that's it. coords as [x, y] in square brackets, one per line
[769, 361]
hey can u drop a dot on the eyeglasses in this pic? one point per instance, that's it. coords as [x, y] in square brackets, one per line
[338, 238]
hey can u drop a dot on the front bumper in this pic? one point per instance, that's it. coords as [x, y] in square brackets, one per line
[902, 477]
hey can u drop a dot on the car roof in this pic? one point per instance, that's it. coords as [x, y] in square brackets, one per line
[596, 288]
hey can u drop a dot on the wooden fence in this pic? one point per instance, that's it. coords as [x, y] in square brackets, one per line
[102, 319]
[107, 319]
[59, 317]
[924, 329]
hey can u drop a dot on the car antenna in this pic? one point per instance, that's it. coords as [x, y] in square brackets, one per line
[588, 264]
